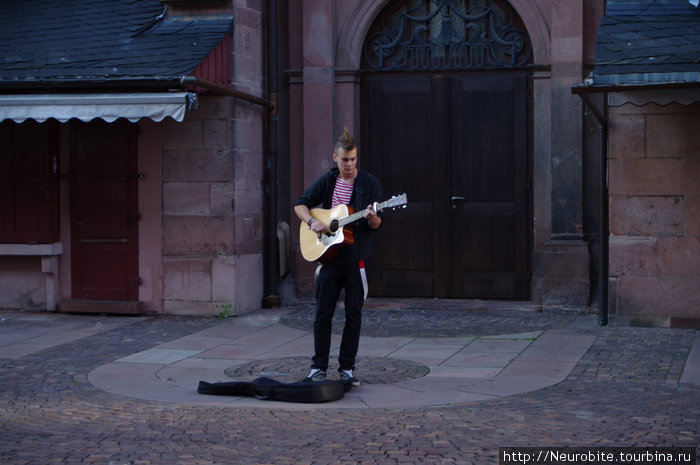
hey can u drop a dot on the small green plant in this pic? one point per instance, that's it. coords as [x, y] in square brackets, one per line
[226, 312]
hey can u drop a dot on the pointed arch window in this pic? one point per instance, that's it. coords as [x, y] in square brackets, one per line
[447, 34]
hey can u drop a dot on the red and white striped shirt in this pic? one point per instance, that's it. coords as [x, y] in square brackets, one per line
[342, 193]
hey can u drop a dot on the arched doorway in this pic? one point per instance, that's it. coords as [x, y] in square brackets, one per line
[446, 119]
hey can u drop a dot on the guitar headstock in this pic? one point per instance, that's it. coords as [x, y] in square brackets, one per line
[396, 201]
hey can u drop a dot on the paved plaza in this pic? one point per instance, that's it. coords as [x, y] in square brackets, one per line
[443, 383]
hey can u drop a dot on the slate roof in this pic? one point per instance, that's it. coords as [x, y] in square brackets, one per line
[648, 42]
[51, 42]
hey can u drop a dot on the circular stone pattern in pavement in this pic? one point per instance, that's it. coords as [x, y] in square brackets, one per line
[370, 370]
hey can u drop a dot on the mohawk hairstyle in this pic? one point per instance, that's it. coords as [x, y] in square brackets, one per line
[344, 142]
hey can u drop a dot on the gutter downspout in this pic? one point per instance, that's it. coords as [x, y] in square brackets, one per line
[223, 90]
[604, 224]
[271, 298]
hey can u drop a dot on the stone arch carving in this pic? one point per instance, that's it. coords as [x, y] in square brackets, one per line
[353, 36]
[349, 51]
[537, 28]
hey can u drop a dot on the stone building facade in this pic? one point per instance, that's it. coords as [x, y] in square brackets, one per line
[214, 201]
[190, 239]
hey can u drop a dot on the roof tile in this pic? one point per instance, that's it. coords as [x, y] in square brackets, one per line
[651, 41]
[51, 40]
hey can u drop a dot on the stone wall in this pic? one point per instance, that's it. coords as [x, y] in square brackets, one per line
[654, 184]
[212, 192]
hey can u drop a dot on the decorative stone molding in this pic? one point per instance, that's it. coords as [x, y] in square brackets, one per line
[349, 49]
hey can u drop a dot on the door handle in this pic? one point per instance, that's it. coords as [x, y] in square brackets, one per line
[456, 199]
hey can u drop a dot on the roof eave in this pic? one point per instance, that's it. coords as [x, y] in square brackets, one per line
[141, 83]
[590, 89]
[92, 83]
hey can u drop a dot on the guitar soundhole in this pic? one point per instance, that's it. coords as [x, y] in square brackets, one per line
[333, 227]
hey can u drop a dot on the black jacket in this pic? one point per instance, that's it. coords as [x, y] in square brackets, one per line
[366, 190]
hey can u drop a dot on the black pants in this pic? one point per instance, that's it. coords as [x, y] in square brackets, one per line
[329, 284]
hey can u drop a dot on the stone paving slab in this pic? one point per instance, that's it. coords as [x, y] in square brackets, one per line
[455, 367]
[691, 372]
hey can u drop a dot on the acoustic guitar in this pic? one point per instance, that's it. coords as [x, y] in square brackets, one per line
[339, 222]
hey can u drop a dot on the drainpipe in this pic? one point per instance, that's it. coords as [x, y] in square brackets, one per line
[604, 222]
[271, 298]
[191, 81]
[604, 226]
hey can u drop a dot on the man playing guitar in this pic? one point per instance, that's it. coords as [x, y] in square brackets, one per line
[344, 184]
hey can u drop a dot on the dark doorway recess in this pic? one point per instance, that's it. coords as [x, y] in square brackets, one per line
[458, 145]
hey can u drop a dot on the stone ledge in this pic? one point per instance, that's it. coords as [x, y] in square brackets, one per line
[121, 307]
[55, 248]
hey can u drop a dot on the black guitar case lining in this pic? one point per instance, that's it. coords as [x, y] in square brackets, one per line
[308, 392]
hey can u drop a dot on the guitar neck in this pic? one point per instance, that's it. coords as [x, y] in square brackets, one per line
[352, 218]
[358, 215]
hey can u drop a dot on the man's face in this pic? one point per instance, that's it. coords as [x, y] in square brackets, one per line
[347, 162]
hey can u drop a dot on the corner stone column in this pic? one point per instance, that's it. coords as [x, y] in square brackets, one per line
[565, 265]
[317, 115]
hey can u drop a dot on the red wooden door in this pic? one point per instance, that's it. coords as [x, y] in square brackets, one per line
[104, 211]
[458, 146]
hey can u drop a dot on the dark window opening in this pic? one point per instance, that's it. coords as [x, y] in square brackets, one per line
[29, 212]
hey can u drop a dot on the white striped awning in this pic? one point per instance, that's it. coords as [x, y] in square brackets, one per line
[86, 107]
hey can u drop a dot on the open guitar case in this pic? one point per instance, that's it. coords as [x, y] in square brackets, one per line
[309, 392]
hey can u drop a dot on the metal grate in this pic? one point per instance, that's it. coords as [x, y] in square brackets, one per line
[447, 35]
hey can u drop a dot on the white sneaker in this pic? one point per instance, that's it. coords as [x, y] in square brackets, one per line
[348, 377]
[316, 374]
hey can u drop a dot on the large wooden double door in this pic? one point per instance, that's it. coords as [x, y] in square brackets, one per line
[458, 146]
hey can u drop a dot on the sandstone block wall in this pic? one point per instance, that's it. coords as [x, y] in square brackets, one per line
[654, 185]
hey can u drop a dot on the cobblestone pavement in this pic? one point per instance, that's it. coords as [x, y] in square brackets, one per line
[625, 391]
[437, 322]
